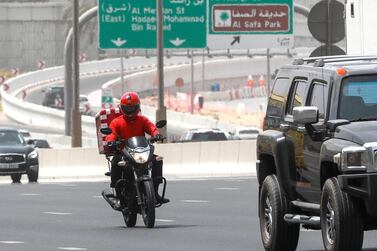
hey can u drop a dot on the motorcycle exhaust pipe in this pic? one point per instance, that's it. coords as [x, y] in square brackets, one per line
[106, 195]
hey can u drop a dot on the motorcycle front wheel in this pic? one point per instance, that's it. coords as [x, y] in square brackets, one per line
[148, 207]
[129, 210]
[129, 218]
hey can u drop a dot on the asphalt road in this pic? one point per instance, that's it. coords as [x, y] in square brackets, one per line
[202, 215]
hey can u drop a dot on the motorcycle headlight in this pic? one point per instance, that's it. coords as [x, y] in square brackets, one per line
[32, 155]
[141, 155]
[353, 159]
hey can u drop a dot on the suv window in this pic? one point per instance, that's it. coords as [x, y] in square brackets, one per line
[277, 98]
[318, 98]
[358, 98]
[11, 138]
[297, 95]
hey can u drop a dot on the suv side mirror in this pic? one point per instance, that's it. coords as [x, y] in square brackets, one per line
[305, 114]
[30, 142]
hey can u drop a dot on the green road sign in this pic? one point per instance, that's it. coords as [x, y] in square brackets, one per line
[132, 24]
[250, 24]
[107, 99]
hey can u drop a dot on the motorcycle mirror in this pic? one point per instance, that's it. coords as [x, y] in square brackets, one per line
[161, 123]
[106, 131]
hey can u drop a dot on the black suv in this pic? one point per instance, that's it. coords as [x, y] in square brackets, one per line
[317, 158]
[54, 97]
[17, 156]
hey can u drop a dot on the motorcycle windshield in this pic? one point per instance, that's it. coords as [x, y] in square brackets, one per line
[136, 142]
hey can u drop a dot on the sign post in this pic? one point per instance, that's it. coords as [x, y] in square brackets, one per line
[250, 24]
[133, 24]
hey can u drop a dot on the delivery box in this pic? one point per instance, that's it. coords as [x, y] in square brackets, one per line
[103, 120]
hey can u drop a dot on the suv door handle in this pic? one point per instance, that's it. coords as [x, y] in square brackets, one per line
[284, 127]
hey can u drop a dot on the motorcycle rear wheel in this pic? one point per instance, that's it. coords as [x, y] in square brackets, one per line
[149, 207]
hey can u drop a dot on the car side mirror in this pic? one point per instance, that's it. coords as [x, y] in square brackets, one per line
[161, 123]
[106, 131]
[305, 114]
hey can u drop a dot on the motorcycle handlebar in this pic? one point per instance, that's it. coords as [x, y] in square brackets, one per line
[155, 139]
[114, 144]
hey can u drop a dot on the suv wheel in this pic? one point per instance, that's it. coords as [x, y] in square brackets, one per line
[32, 175]
[273, 205]
[16, 178]
[341, 221]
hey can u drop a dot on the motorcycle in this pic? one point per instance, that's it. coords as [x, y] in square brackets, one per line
[135, 189]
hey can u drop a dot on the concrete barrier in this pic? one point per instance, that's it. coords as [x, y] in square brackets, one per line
[181, 160]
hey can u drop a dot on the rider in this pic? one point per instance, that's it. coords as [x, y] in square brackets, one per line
[132, 124]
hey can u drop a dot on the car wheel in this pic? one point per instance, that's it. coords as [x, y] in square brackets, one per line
[341, 221]
[16, 178]
[273, 205]
[32, 175]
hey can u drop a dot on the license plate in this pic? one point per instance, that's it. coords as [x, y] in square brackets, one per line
[8, 166]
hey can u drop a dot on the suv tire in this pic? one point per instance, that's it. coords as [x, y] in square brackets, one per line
[16, 178]
[32, 175]
[273, 205]
[341, 221]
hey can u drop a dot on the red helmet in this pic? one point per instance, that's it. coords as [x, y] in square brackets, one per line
[130, 104]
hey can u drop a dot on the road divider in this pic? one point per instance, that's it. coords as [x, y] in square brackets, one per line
[181, 160]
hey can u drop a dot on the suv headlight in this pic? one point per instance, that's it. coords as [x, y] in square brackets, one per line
[32, 155]
[140, 156]
[354, 158]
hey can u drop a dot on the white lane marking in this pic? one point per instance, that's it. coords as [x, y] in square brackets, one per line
[195, 201]
[12, 242]
[67, 185]
[57, 213]
[307, 230]
[227, 188]
[163, 220]
[97, 196]
[71, 248]
[29, 194]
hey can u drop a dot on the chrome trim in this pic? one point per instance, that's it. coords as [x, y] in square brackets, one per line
[350, 150]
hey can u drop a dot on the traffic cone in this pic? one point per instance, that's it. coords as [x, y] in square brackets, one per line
[262, 85]
[261, 81]
[250, 81]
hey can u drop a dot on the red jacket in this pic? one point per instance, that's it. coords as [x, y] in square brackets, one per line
[126, 129]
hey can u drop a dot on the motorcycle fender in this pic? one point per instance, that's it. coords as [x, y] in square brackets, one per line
[144, 178]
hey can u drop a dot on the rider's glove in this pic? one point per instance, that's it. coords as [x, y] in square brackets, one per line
[159, 137]
[112, 145]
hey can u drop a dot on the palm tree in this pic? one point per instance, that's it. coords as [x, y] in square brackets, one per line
[224, 17]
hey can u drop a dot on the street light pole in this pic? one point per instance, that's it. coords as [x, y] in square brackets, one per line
[161, 110]
[75, 113]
